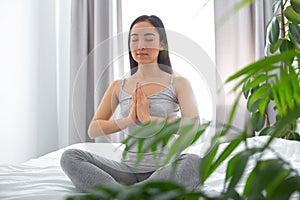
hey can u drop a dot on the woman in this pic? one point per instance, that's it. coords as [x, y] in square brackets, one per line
[151, 93]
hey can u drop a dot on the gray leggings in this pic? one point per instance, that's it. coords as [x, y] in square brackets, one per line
[87, 170]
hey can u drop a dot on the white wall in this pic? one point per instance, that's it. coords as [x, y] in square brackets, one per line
[63, 23]
[28, 101]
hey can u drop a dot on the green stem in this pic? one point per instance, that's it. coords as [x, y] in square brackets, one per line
[282, 34]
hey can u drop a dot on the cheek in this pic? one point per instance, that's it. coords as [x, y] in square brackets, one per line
[133, 46]
[154, 51]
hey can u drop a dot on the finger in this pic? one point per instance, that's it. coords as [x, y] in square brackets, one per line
[134, 97]
[143, 94]
[138, 94]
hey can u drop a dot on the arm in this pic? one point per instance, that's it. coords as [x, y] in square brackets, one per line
[101, 123]
[187, 101]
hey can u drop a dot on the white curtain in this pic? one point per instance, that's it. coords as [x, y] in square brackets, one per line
[240, 40]
[91, 67]
[43, 46]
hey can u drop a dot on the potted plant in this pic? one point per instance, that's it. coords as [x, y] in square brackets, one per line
[275, 80]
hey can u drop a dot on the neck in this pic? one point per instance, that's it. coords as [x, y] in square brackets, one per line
[148, 70]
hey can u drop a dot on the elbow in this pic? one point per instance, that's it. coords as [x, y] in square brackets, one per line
[95, 129]
[90, 133]
[91, 130]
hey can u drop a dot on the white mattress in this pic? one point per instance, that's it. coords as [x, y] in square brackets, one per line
[42, 178]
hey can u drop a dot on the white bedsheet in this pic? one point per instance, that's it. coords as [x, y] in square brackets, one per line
[42, 178]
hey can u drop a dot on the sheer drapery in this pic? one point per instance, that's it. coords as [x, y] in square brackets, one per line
[91, 67]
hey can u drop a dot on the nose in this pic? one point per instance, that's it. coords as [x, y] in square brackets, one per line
[141, 45]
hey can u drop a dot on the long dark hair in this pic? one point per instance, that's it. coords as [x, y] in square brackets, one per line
[163, 59]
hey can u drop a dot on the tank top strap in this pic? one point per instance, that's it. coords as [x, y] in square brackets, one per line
[123, 81]
[172, 79]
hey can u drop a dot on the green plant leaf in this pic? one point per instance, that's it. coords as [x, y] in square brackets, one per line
[255, 72]
[285, 189]
[249, 183]
[296, 5]
[287, 45]
[161, 185]
[280, 125]
[266, 131]
[196, 196]
[295, 84]
[287, 82]
[140, 146]
[276, 5]
[293, 136]
[263, 104]
[274, 47]
[255, 83]
[273, 31]
[206, 163]
[294, 34]
[185, 139]
[286, 91]
[172, 194]
[200, 131]
[131, 193]
[292, 15]
[257, 96]
[252, 106]
[164, 135]
[278, 97]
[258, 121]
[105, 191]
[268, 175]
[236, 167]
[224, 155]
[246, 92]
[264, 63]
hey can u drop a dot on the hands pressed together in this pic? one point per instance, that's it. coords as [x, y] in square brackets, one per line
[139, 108]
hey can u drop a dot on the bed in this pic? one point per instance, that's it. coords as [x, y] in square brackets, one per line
[42, 178]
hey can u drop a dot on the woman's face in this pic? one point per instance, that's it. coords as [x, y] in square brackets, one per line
[145, 43]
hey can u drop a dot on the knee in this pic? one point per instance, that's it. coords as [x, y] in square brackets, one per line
[191, 160]
[189, 164]
[68, 157]
[190, 171]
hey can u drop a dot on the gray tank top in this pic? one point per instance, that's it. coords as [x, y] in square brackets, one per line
[162, 104]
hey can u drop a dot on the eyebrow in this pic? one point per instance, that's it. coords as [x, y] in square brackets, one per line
[146, 34]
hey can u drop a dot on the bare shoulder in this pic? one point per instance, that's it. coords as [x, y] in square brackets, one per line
[180, 83]
[181, 80]
[116, 83]
[115, 87]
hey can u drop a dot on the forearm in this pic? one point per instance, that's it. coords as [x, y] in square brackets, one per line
[160, 119]
[184, 121]
[105, 127]
[189, 121]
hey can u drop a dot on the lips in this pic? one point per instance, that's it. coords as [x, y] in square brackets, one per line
[141, 54]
